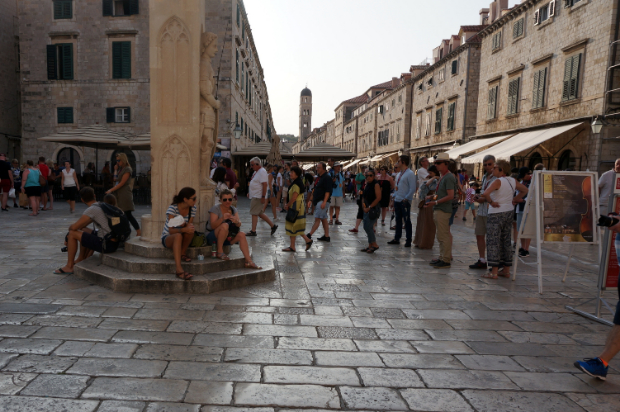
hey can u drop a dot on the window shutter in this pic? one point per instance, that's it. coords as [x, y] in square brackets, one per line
[568, 3]
[58, 10]
[238, 15]
[515, 29]
[454, 66]
[128, 112]
[551, 8]
[574, 76]
[117, 60]
[237, 66]
[67, 61]
[499, 39]
[542, 87]
[134, 7]
[438, 116]
[491, 103]
[108, 7]
[566, 82]
[535, 97]
[68, 114]
[110, 115]
[513, 93]
[418, 127]
[52, 63]
[537, 17]
[126, 59]
[60, 113]
[67, 9]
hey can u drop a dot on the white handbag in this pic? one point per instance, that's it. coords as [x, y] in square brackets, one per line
[12, 193]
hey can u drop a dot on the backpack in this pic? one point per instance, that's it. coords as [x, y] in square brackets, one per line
[118, 222]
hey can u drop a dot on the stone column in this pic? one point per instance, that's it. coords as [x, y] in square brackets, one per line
[176, 33]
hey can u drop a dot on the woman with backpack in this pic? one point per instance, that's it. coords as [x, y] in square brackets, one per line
[179, 236]
[123, 190]
[31, 186]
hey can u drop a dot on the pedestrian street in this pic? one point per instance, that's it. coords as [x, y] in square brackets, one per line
[338, 330]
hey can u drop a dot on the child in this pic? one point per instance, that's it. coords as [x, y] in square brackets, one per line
[469, 200]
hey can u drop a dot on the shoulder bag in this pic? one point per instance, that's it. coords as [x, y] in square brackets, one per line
[292, 213]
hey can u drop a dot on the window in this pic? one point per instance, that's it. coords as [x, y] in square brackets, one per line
[570, 88]
[118, 115]
[418, 127]
[544, 13]
[513, 96]
[538, 95]
[567, 161]
[305, 125]
[451, 115]
[497, 40]
[120, 7]
[121, 60]
[63, 9]
[438, 115]
[65, 114]
[569, 3]
[238, 15]
[60, 61]
[441, 76]
[455, 66]
[492, 103]
[517, 28]
[430, 82]
[383, 137]
[420, 87]
[237, 64]
[427, 126]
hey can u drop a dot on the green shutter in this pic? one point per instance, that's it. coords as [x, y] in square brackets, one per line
[128, 111]
[126, 56]
[237, 66]
[134, 7]
[535, 98]
[60, 112]
[67, 61]
[69, 115]
[238, 15]
[566, 83]
[491, 103]
[438, 116]
[513, 94]
[110, 115]
[63, 9]
[65, 114]
[121, 60]
[542, 87]
[451, 109]
[52, 62]
[574, 77]
[108, 8]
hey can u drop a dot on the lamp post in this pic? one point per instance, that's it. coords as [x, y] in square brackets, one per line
[597, 126]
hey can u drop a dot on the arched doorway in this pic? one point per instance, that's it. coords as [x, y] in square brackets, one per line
[71, 155]
[130, 155]
[566, 161]
[534, 160]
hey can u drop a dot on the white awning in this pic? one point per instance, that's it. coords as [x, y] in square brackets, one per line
[308, 166]
[352, 164]
[519, 143]
[475, 145]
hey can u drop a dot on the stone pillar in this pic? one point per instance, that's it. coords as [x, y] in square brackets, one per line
[176, 30]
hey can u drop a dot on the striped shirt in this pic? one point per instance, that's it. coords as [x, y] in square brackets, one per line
[173, 211]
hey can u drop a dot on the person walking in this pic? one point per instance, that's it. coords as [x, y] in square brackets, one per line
[51, 181]
[257, 194]
[500, 196]
[323, 187]
[296, 202]
[386, 183]
[17, 181]
[425, 227]
[606, 185]
[6, 181]
[286, 182]
[360, 207]
[45, 172]
[483, 212]
[123, 191]
[442, 210]
[403, 197]
[370, 203]
[31, 186]
[69, 185]
[337, 194]
[469, 200]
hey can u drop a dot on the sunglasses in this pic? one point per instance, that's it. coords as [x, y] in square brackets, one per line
[227, 200]
[370, 175]
[193, 198]
[440, 162]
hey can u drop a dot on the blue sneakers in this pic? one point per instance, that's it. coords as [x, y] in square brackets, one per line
[593, 367]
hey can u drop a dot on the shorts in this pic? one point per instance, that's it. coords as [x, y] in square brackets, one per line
[451, 222]
[33, 191]
[321, 213]
[163, 241]
[70, 193]
[481, 226]
[45, 189]
[337, 201]
[211, 239]
[5, 185]
[256, 206]
[94, 242]
[470, 206]
[269, 193]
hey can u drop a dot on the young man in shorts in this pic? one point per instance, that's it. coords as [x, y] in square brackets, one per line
[483, 212]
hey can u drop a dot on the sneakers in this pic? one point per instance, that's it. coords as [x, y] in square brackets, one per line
[593, 367]
[394, 242]
[441, 265]
[523, 252]
[478, 265]
[273, 229]
[354, 230]
[324, 239]
[434, 262]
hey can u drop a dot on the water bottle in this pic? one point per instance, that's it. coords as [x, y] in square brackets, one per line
[214, 250]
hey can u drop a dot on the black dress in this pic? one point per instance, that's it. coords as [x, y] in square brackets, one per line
[369, 193]
[386, 189]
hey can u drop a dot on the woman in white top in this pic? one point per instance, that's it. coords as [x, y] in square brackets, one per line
[501, 198]
[70, 185]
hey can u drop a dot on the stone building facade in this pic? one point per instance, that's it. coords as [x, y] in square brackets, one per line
[393, 120]
[543, 65]
[10, 92]
[445, 96]
[366, 132]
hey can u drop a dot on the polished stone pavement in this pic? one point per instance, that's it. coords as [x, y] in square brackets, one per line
[337, 330]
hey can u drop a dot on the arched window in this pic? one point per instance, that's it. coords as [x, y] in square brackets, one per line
[567, 161]
[535, 159]
[70, 155]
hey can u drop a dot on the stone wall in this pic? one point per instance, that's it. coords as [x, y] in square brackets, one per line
[367, 132]
[395, 117]
[10, 113]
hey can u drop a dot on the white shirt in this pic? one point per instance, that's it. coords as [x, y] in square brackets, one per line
[256, 184]
[422, 176]
[606, 187]
[69, 181]
[279, 180]
[212, 173]
[504, 195]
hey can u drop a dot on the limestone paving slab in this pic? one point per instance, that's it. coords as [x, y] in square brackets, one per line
[394, 378]
[466, 335]
[192, 326]
[234, 317]
[256, 394]
[316, 344]
[400, 334]
[36, 404]
[490, 363]
[93, 335]
[13, 382]
[549, 382]
[112, 350]
[35, 346]
[167, 390]
[546, 364]
[58, 386]
[280, 330]
[168, 314]
[179, 353]
[74, 348]
[435, 400]
[441, 347]
[5, 358]
[216, 393]
[118, 367]
[40, 364]
[17, 331]
[121, 406]
[595, 403]
[499, 348]
[376, 399]
[28, 308]
[487, 401]
[172, 407]
[134, 324]
[310, 375]
[234, 341]
[384, 346]
[211, 408]
[219, 372]
[420, 361]
[153, 337]
[466, 379]
[269, 356]
[348, 359]
[64, 321]
[337, 332]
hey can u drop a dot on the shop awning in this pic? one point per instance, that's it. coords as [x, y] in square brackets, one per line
[519, 143]
[353, 163]
[475, 145]
[95, 136]
[322, 151]
[258, 149]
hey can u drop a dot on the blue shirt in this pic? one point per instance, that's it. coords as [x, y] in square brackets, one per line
[405, 186]
[338, 180]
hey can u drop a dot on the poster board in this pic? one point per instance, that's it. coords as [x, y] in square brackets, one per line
[611, 269]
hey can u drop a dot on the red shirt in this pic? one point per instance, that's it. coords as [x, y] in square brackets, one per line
[231, 178]
[45, 171]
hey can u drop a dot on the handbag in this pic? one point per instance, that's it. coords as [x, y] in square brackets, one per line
[292, 213]
[374, 213]
[199, 240]
[12, 193]
[42, 179]
[23, 200]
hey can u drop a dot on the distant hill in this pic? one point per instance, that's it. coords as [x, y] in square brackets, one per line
[289, 138]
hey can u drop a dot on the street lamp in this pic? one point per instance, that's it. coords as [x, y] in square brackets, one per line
[597, 125]
[238, 131]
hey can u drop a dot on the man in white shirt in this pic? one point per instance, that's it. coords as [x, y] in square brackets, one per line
[423, 171]
[606, 186]
[258, 196]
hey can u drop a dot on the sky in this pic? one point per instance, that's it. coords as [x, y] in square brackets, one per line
[340, 48]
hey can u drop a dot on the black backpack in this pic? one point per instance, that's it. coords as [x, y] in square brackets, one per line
[120, 230]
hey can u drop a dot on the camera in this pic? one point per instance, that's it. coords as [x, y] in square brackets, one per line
[607, 221]
[64, 249]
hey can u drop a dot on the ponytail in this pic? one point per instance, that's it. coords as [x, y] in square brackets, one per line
[185, 193]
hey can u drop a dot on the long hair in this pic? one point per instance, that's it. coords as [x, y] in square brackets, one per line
[185, 193]
[219, 175]
[123, 158]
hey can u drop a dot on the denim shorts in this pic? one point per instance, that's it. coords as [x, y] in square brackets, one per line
[470, 206]
[321, 213]
[163, 240]
[211, 239]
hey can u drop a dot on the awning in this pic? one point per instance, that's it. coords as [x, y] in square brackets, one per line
[519, 143]
[259, 149]
[353, 163]
[322, 151]
[308, 166]
[95, 136]
[141, 142]
[427, 147]
[475, 145]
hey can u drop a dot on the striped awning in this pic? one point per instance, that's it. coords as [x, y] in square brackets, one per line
[97, 136]
[324, 151]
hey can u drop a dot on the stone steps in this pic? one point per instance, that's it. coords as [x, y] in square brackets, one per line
[157, 250]
[161, 282]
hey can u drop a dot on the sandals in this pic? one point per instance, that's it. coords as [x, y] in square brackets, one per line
[372, 249]
[288, 249]
[222, 256]
[252, 265]
[364, 250]
[185, 258]
[383, 223]
[250, 233]
[185, 275]
[62, 272]
[309, 245]
[489, 276]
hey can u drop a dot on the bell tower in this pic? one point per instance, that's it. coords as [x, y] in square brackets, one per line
[305, 114]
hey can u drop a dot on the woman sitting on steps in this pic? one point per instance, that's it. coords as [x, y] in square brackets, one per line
[178, 238]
